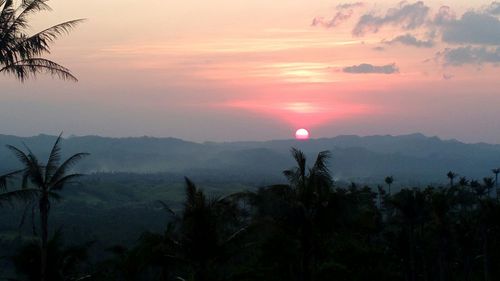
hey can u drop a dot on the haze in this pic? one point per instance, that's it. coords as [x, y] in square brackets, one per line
[259, 70]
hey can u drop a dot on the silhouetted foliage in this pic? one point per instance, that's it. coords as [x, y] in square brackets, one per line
[21, 53]
[305, 230]
[45, 181]
[64, 263]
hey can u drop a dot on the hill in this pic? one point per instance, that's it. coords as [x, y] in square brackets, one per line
[415, 158]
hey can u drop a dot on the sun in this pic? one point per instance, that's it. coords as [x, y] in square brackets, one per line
[302, 134]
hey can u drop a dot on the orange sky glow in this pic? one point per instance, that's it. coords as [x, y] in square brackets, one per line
[236, 70]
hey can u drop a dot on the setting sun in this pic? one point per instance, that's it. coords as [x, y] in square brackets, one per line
[302, 134]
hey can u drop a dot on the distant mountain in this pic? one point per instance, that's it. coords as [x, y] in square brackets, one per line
[414, 158]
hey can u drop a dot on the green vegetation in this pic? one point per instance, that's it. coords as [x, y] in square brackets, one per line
[308, 228]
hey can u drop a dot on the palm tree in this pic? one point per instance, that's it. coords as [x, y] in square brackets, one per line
[478, 189]
[21, 53]
[389, 181]
[298, 212]
[451, 175]
[488, 183]
[207, 228]
[381, 193]
[199, 237]
[411, 212]
[496, 172]
[463, 181]
[46, 181]
[312, 189]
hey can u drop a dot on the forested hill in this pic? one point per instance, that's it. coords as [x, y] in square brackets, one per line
[414, 159]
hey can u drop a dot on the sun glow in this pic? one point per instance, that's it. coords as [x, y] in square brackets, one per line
[302, 113]
[302, 134]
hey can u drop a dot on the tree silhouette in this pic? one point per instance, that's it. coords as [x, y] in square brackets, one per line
[299, 213]
[198, 238]
[451, 176]
[489, 182]
[63, 262]
[478, 188]
[46, 181]
[463, 181]
[411, 213]
[496, 172]
[381, 194]
[389, 181]
[21, 53]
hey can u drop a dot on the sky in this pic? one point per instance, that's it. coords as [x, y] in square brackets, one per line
[259, 70]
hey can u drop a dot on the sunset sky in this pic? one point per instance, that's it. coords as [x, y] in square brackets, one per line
[257, 70]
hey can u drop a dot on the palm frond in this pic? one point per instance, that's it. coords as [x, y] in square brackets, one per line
[35, 169]
[7, 14]
[68, 179]
[166, 208]
[322, 161]
[32, 6]
[20, 155]
[25, 178]
[25, 9]
[39, 43]
[293, 176]
[191, 193]
[54, 158]
[319, 174]
[300, 158]
[19, 51]
[4, 179]
[66, 166]
[30, 68]
[20, 195]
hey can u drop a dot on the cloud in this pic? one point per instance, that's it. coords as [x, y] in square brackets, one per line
[494, 8]
[369, 68]
[470, 55]
[339, 18]
[350, 5]
[408, 16]
[344, 12]
[411, 40]
[472, 28]
[444, 15]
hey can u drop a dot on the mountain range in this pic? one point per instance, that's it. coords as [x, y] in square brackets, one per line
[412, 159]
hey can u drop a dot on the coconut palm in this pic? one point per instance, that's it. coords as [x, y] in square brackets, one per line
[478, 189]
[496, 172]
[463, 181]
[46, 181]
[198, 238]
[21, 54]
[488, 183]
[451, 176]
[381, 193]
[298, 212]
[411, 213]
[389, 181]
